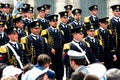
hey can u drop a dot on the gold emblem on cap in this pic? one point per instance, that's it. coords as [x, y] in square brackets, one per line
[55, 17]
[42, 8]
[37, 23]
[91, 26]
[0, 4]
[65, 14]
[81, 29]
[95, 7]
[68, 7]
[30, 8]
[20, 9]
[6, 5]
[1, 22]
[76, 11]
[117, 7]
[45, 6]
[25, 5]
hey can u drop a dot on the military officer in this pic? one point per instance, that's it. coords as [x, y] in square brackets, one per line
[47, 10]
[114, 26]
[9, 17]
[55, 40]
[69, 9]
[44, 23]
[19, 25]
[3, 36]
[21, 12]
[79, 45]
[29, 18]
[65, 27]
[95, 45]
[107, 42]
[34, 44]
[12, 51]
[93, 18]
[77, 16]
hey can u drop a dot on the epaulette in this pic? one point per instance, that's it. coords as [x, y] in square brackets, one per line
[23, 40]
[86, 19]
[70, 26]
[96, 32]
[3, 49]
[58, 28]
[100, 42]
[44, 32]
[45, 40]
[110, 31]
[62, 32]
[88, 45]
[66, 46]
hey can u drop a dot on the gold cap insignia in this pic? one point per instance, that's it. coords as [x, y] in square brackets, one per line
[81, 29]
[65, 14]
[68, 7]
[55, 17]
[20, 9]
[91, 26]
[95, 6]
[1, 22]
[117, 7]
[76, 11]
[37, 23]
[0, 5]
[42, 8]
[25, 5]
[6, 5]
[45, 6]
[30, 8]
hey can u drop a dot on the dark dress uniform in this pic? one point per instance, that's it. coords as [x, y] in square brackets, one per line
[65, 27]
[9, 55]
[79, 47]
[44, 22]
[93, 19]
[67, 8]
[27, 20]
[55, 40]
[67, 32]
[95, 45]
[34, 45]
[3, 38]
[105, 37]
[114, 26]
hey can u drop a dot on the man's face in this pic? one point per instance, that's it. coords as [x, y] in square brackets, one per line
[20, 24]
[1, 29]
[104, 25]
[47, 11]
[53, 23]
[64, 20]
[91, 33]
[94, 12]
[29, 15]
[13, 37]
[116, 13]
[77, 16]
[78, 36]
[35, 31]
[42, 14]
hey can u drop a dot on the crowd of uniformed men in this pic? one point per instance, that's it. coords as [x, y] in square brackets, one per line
[23, 37]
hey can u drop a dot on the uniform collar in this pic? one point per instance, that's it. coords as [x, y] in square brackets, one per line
[91, 37]
[13, 42]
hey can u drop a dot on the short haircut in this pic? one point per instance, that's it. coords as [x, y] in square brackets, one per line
[80, 61]
[91, 77]
[77, 76]
[113, 74]
[43, 59]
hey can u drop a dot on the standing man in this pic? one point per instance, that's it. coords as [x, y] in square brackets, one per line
[13, 51]
[69, 9]
[93, 18]
[114, 26]
[34, 44]
[41, 17]
[65, 27]
[19, 25]
[3, 35]
[95, 45]
[77, 17]
[55, 40]
[47, 10]
[107, 42]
